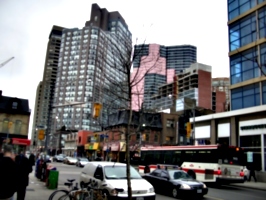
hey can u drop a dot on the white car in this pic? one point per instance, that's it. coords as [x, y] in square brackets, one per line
[70, 160]
[81, 162]
[111, 176]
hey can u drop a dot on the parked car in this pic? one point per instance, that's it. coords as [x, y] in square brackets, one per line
[82, 162]
[176, 183]
[111, 176]
[58, 158]
[70, 160]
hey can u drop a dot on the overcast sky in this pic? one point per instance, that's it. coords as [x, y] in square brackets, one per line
[26, 25]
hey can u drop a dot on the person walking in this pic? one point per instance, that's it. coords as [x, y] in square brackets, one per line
[8, 174]
[24, 168]
[252, 173]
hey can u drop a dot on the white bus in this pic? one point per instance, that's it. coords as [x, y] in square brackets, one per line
[221, 164]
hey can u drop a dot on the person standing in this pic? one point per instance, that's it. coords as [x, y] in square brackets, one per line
[252, 173]
[24, 168]
[8, 174]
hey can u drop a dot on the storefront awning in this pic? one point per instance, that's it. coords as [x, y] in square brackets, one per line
[20, 141]
[93, 146]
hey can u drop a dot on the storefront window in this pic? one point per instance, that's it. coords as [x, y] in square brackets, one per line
[252, 144]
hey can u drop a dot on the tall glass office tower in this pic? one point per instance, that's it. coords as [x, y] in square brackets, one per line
[247, 52]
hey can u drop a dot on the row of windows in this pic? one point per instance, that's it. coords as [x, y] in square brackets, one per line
[248, 96]
[237, 7]
[245, 30]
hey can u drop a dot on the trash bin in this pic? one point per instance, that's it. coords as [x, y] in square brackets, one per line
[53, 179]
[48, 169]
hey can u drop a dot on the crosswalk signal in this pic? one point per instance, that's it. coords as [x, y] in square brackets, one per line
[96, 110]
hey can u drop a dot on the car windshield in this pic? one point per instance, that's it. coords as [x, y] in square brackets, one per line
[178, 175]
[119, 172]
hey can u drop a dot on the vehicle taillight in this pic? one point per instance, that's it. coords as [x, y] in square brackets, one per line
[231, 162]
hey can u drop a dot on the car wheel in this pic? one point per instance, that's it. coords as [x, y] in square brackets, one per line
[174, 193]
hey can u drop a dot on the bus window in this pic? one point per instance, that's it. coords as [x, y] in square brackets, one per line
[168, 157]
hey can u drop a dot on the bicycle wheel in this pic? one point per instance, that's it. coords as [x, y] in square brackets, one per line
[59, 195]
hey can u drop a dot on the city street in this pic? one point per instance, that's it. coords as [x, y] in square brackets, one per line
[72, 172]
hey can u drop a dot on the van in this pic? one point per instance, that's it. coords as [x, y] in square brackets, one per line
[111, 176]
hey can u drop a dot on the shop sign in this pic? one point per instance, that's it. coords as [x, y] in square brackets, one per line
[115, 146]
[95, 146]
[250, 156]
[252, 127]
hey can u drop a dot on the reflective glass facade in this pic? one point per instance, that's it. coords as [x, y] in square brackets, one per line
[247, 46]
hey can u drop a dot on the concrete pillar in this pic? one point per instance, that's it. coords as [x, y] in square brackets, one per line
[233, 136]
[213, 134]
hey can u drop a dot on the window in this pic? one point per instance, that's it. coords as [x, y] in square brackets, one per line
[5, 125]
[170, 123]
[244, 67]
[237, 7]
[242, 32]
[18, 125]
[15, 105]
[245, 97]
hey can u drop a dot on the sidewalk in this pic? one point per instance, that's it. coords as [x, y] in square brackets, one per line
[252, 185]
[37, 189]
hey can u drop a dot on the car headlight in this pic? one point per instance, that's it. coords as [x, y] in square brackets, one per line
[185, 186]
[151, 190]
[204, 186]
[115, 192]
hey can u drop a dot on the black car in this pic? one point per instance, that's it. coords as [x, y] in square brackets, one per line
[176, 183]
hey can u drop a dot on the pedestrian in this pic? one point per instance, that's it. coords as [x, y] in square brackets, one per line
[8, 174]
[24, 168]
[32, 159]
[252, 173]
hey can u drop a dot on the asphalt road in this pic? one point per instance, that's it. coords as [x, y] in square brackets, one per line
[223, 193]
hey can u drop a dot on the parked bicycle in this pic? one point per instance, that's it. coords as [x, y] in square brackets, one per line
[63, 194]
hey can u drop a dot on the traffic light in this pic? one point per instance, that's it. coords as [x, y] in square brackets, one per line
[188, 129]
[41, 134]
[96, 110]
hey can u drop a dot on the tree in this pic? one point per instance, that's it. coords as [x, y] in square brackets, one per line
[119, 91]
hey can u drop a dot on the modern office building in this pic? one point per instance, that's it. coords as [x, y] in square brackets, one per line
[158, 65]
[244, 125]
[88, 63]
[45, 90]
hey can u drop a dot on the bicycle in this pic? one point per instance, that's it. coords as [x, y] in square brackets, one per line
[92, 192]
[63, 194]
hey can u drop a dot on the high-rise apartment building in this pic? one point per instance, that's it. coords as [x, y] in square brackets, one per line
[45, 91]
[86, 65]
[247, 52]
[158, 65]
[222, 84]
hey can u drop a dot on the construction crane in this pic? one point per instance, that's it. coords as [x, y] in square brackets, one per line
[2, 64]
